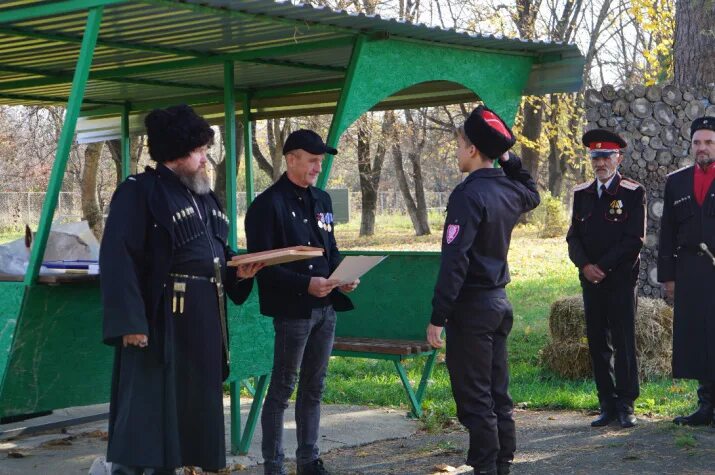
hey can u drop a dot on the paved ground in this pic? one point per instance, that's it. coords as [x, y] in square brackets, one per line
[358, 440]
[73, 451]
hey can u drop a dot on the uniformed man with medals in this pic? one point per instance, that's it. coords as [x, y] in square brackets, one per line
[299, 296]
[604, 241]
[469, 297]
[686, 267]
[163, 276]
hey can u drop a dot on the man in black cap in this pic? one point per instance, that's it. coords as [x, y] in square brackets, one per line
[299, 297]
[469, 297]
[685, 258]
[164, 245]
[605, 239]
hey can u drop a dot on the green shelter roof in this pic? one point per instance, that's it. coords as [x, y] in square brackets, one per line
[291, 59]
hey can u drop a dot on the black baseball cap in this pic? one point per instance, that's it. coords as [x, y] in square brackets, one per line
[307, 140]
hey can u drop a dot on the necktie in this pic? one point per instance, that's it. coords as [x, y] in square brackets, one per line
[603, 189]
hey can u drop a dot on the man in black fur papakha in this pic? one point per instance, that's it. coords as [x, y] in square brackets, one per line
[162, 260]
[470, 298]
[605, 239]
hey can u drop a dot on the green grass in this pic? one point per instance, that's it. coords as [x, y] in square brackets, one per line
[541, 273]
[11, 235]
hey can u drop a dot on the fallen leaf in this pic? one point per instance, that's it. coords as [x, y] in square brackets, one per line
[58, 442]
[363, 453]
[552, 418]
[444, 468]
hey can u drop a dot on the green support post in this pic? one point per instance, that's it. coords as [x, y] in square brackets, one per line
[335, 127]
[79, 82]
[415, 398]
[229, 105]
[125, 143]
[252, 418]
[248, 149]
[235, 390]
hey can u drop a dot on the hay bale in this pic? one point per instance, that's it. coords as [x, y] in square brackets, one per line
[569, 359]
[566, 320]
[567, 353]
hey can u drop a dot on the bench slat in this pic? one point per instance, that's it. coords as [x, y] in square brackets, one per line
[375, 345]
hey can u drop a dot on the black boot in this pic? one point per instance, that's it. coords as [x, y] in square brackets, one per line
[704, 414]
[608, 415]
[625, 414]
[313, 468]
[503, 468]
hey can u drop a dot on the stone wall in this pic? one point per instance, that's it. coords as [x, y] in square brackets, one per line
[655, 121]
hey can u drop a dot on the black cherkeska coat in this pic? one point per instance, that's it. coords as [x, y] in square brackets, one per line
[150, 421]
[685, 225]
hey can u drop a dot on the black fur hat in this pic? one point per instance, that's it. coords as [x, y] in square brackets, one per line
[175, 131]
[488, 132]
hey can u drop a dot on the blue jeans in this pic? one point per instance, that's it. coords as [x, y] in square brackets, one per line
[303, 344]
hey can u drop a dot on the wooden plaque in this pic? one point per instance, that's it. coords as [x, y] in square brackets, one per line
[277, 256]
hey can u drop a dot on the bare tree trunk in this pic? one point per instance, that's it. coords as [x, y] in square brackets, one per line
[694, 42]
[261, 160]
[416, 206]
[533, 118]
[90, 203]
[115, 149]
[370, 172]
[220, 167]
[415, 157]
[405, 187]
[555, 172]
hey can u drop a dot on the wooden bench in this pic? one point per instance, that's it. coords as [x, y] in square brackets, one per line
[397, 351]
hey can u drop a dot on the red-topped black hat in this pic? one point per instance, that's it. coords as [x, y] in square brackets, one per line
[601, 139]
[488, 132]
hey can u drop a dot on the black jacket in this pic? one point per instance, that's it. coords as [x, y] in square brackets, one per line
[277, 219]
[685, 225]
[608, 231]
[481, 214]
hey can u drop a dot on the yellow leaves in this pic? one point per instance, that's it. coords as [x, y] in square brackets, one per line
[656, 17]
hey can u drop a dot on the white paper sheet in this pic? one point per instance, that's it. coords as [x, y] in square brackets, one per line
[353, 267]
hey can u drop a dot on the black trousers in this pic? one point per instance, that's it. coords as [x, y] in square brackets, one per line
[610, 328]
[478, 370]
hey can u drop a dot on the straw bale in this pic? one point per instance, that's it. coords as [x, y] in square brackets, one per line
[567, 352]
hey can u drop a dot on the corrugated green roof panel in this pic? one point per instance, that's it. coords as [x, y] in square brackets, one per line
[38, 54]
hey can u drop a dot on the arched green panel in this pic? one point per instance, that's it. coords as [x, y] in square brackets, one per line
[380, 68]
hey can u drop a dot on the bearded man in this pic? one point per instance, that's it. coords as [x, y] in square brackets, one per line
[685, 258]
[163, 260]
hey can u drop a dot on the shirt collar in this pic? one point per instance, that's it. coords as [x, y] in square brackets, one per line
[293, 190]
[709, 170]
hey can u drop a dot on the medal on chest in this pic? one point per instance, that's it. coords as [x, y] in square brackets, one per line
[616, 207]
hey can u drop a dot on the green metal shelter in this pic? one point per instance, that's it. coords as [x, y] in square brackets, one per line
[110, 61]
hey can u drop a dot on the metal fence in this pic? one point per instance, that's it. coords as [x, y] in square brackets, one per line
[20, 208]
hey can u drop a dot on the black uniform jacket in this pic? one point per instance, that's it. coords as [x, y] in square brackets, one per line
[608, 231]
[276, 219]
[481, 213]
[684, 225]
[135, 258]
